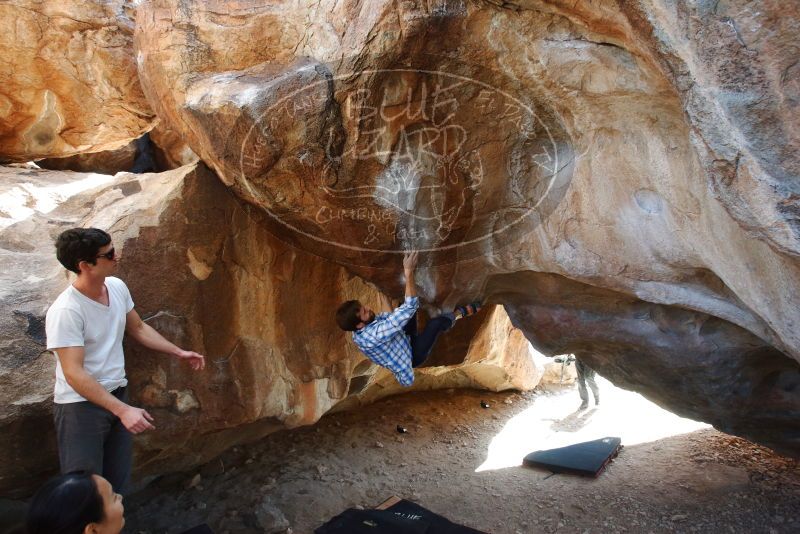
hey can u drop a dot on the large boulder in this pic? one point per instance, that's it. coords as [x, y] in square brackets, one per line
[205, 272]
[358, 148]
[620, 176]
[106, 162]
[736, 73]
[68, 80]
[158, 150]
[639, 160]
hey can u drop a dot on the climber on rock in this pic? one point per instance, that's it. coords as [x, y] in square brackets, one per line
[391, 340]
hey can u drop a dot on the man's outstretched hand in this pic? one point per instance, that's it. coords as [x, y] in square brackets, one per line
[409, 264]
[410, 261]
[197, 361]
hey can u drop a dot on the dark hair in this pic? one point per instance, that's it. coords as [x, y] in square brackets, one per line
[65, 505]
[80, 244]
[347, 315]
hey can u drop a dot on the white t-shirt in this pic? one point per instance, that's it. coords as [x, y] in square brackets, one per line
[75, 320]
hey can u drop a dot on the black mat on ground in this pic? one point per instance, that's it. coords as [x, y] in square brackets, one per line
[588, 458]
[404, 517]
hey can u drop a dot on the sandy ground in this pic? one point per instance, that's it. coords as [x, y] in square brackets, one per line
[464, 461]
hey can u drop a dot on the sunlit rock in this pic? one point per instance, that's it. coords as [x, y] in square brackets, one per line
[203, 271]
[68, 80]
[643, 155]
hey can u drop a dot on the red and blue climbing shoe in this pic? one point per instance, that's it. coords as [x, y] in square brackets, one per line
[469, 309]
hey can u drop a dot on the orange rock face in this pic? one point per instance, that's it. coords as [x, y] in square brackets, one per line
[205, 273]
[360, 149]
[621, 150]
[620, 176]
[108, 162]
[68, 81]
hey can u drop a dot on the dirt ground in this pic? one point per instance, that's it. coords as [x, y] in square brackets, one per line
[464, 462]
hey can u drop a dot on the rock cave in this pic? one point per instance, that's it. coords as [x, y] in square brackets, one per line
[617, 180]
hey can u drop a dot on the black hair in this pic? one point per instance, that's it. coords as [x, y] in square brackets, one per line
[66, 504]
[80, 244]
[347, 315]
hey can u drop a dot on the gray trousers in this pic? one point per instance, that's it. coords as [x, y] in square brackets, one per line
[586, 374]
[93, 439]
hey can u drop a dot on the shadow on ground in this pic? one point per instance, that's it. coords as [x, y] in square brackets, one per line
[697, 481]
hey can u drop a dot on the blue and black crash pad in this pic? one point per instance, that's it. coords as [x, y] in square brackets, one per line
[588, 458]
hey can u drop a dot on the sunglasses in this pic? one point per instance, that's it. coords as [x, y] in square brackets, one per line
[108, 255]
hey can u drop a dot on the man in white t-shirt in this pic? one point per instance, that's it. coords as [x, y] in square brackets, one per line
[85, 327]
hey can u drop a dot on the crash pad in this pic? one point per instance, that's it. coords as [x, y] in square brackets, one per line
[393, 516]
[588, 458]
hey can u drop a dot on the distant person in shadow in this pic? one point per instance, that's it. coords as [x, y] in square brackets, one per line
[586, 374]
[144, 161]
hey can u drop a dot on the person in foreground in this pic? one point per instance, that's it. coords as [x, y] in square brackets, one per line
[391, 340]
[76, 503]
[85, 326]
[81, 503]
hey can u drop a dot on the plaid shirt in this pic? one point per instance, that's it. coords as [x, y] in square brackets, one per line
[384, 342]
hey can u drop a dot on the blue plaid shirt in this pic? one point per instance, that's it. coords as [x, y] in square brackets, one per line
[384, 342]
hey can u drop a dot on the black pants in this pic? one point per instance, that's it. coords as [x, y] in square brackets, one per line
[93, 439]
[422, 342]
[586, 374]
